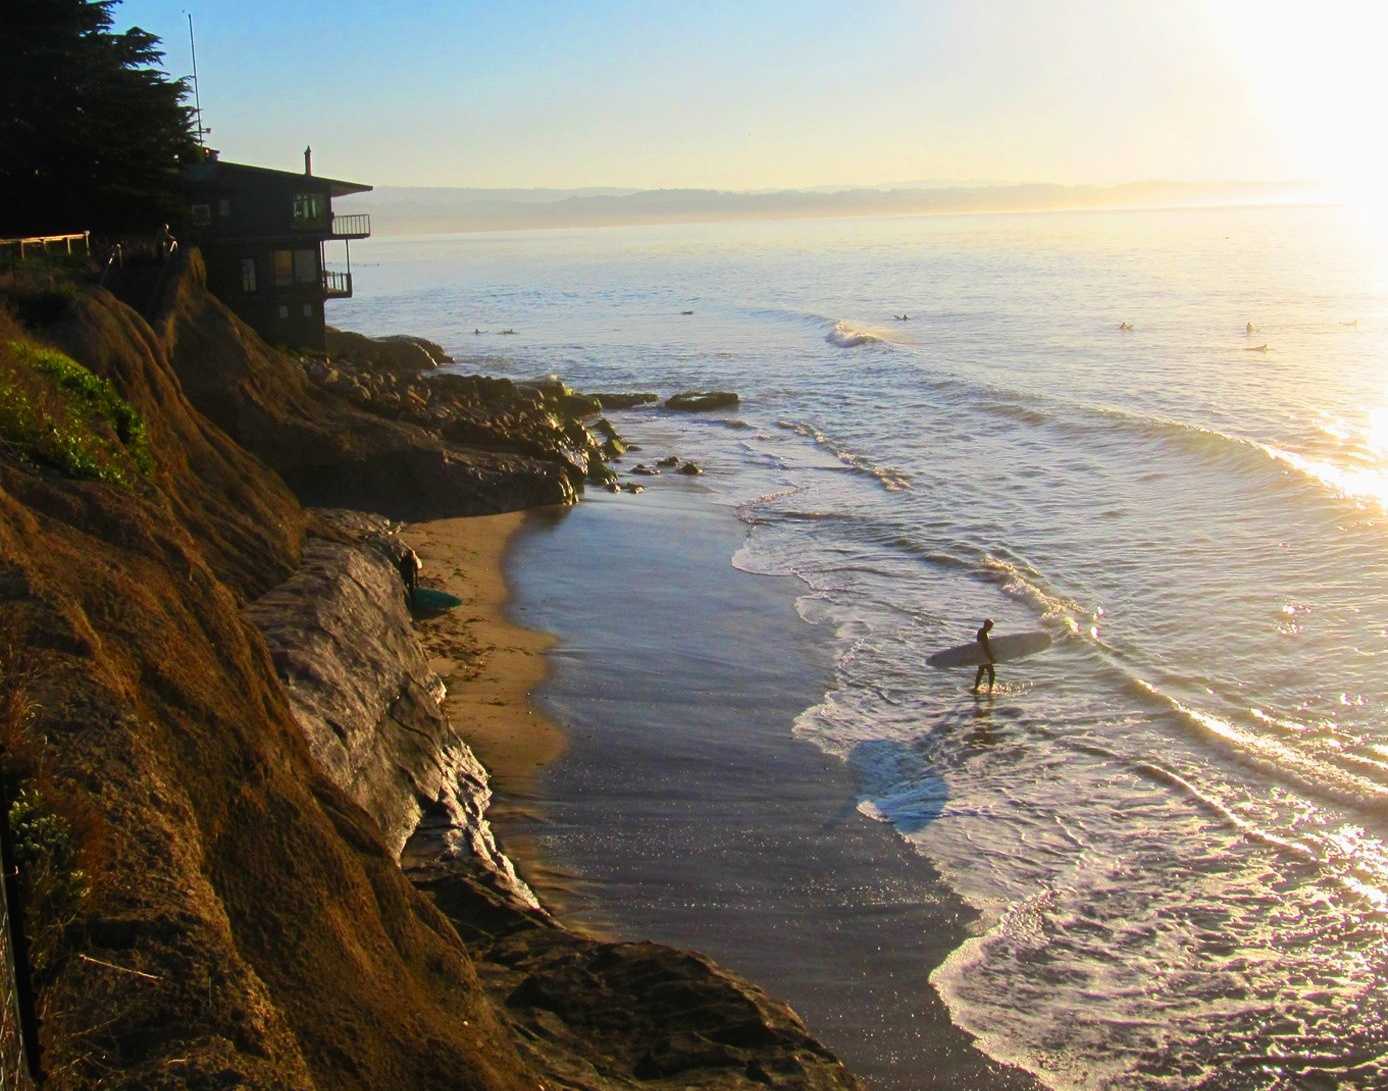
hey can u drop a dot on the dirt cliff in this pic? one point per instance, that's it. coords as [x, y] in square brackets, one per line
[207, 904]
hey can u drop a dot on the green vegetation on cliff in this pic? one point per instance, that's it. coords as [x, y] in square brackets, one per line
[56, 411]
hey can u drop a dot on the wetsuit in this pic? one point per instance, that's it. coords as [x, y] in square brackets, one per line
[982, 637]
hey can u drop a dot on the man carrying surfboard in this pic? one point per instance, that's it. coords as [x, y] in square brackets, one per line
[988, 660]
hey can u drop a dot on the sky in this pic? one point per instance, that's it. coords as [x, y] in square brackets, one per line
[752, 95]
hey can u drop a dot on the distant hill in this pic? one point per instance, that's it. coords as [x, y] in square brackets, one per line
[415, 211]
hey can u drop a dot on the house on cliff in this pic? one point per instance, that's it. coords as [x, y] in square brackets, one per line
[263, 235]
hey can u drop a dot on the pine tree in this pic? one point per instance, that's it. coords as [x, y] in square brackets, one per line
[92, 132]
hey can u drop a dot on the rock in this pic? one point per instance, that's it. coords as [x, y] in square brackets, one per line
[613, 486]
[643, 469]
[632, 487]
[626, 401]
[699, 401]
[370, 707]
[599, 474]
[396, 353]
[690, 469]
[668, 460]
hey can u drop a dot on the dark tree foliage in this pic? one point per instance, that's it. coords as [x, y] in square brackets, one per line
[91, 131]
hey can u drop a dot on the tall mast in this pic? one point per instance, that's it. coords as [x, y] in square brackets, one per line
[197, 98]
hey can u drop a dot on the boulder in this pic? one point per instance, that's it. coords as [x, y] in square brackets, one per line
[395, 353]
[644, 470]
[626, 401]
[699, 401]
[689, 468]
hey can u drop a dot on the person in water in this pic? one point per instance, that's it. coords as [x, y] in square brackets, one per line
[982, 638]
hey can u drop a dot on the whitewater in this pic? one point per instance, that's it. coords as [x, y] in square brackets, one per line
[1172, 824]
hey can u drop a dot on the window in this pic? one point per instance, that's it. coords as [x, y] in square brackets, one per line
[284, 310]
[284, 268]
[305, 266]
[202, 215]
[310, 210]
[248, 274]
[224, 207]
[308, 310]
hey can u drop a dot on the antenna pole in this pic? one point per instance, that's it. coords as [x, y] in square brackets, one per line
[197, 98]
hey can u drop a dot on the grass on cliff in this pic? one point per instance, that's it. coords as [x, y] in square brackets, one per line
[55, 411]
[52, 835]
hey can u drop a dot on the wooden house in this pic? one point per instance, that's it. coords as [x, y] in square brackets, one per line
[262, 233]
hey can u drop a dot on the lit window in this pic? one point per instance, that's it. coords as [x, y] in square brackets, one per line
[308, 310]
[305, 266]
[284, 268]
[284, 310]
[310, 210]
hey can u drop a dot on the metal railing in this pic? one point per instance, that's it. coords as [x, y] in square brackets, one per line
[354, 225]
[337, 285]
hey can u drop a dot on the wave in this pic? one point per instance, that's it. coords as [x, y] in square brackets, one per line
[848, 336]
[890, 478]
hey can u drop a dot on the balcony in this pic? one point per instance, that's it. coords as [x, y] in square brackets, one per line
[337, 285]
[356, 225]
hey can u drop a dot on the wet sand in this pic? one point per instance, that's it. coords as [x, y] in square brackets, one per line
[491, 667]
[675, 803]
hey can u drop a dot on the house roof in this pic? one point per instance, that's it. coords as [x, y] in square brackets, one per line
[215, 170]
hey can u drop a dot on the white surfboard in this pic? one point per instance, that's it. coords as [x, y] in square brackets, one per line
[1005, 650]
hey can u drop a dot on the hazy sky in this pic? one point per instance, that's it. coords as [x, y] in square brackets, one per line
[756, 95]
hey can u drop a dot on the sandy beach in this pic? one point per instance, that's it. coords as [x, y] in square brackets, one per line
[491, 667]
[682, 809]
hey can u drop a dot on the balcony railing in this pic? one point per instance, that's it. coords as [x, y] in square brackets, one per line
[337, 285]
[355, 225]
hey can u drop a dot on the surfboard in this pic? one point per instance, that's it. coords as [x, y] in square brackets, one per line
[432, 601]
[1005, 650]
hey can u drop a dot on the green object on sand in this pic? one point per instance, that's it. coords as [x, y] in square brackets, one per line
[428, 600]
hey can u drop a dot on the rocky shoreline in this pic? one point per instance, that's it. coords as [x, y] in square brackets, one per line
[222, 699]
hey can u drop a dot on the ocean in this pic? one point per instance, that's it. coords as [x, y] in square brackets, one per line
[1171, 825]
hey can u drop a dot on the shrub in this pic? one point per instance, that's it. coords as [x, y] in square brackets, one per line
[56, 411]
[46, 855]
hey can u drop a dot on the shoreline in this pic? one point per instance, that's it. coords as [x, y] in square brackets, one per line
[491, 667]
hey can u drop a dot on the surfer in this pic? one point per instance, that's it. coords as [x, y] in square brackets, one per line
[982, 638]
[409, 565]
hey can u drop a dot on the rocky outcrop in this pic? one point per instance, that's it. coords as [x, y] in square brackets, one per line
[626, 401]
[699, 401]
[370, 707]
[398, 352]
[343, 434]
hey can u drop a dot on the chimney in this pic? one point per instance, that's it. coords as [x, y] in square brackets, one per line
[308, 160]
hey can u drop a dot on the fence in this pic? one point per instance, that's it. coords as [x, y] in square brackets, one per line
[41, 242]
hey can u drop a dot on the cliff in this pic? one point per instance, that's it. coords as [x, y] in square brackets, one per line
[225, 740]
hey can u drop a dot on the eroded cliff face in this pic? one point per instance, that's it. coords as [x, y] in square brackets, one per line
[245, 925]
[371, 709]
[242, 805]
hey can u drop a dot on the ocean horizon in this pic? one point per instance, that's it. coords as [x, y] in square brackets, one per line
[1162, 438]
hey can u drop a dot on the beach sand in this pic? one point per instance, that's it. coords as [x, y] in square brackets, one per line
[675, 804]
[490, 667]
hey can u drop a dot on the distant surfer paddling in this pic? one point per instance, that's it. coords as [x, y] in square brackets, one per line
[987, 665]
